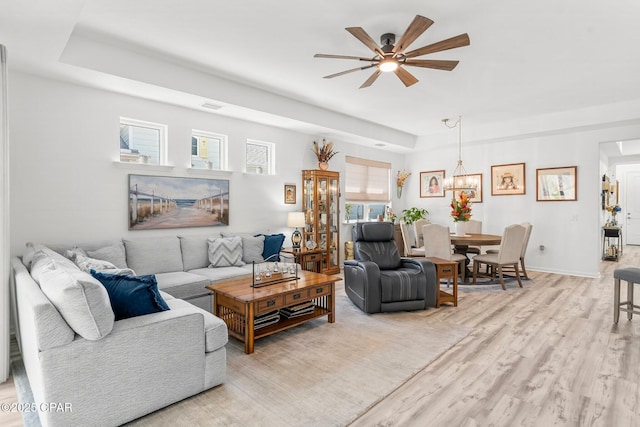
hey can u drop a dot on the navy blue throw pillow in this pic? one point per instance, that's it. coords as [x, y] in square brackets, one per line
[272, 245]
[132, 296]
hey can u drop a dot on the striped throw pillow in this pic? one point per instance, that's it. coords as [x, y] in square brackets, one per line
[225, 252]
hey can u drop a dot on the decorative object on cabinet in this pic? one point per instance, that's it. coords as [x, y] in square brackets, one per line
[402, 177]
[431, 184]
[296, 219]
[508, 180]
[289, 194]
[556, 184]
[324, 153]
[320, 204]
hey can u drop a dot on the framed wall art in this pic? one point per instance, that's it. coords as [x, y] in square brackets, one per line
[157, 202]
[556, 184]
[290, 194]
[508, 180]
[474, 196]
[432, 184]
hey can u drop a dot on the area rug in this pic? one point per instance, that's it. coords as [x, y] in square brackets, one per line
[316, 374]
[23, 391]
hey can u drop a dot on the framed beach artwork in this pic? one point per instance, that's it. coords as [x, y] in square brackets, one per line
[432, 184]
[158, 202]
[474, 196]
[508, 180]
[557, 184]
[290, 194]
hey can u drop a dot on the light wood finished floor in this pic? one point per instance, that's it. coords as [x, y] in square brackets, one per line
[545, 355]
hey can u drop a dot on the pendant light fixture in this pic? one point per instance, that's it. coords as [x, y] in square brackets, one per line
[460, 181]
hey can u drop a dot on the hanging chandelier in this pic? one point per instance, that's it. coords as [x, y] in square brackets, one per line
[460, 181]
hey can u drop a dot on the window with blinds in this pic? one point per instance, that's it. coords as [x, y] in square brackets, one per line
[367, 180]
[260, 157]
[208, 150]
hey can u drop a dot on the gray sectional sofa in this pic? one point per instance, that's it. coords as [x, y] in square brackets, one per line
[113, 371]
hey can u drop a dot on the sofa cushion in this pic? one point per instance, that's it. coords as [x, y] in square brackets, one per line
[194, 252]
[272, 246]
[44, 256]
[81, 300]
[219, 273]
[225, 252]
[403, 284]
[215, 330]
[252, 248]
[181, 284]
[154, 255]
[87, 264]
[115, 254]
[132, 296]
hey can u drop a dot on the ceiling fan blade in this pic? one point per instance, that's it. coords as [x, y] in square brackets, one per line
[371, 79]
[365, 38]
[452, 43]
[324, 55]
[407, 78]
[432, 63]
[418, 26]
[342, 73]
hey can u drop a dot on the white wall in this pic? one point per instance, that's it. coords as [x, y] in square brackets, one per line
[66, 187]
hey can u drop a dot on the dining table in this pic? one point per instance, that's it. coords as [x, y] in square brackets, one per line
[461, 244]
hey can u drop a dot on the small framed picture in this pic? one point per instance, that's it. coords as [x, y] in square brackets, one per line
[557, 184]
[432, 184]
[508, 180]
[474, 196]
[290, 194]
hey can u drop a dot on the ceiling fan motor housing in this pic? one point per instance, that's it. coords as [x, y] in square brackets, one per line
[387, 40]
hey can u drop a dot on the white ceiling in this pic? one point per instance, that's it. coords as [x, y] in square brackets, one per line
[525, 59]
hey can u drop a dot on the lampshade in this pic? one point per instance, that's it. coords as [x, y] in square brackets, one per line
[295, 219]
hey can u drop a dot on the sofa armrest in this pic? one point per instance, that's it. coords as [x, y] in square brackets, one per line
[362, 284]
[429, 269]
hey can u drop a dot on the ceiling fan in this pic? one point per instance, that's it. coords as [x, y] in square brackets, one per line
[391, 56]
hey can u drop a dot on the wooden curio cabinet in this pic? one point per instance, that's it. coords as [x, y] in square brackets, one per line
[320, 202]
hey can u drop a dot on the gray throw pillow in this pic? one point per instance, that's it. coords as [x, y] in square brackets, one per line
[114, 254]
[252, 248]
[225, 252]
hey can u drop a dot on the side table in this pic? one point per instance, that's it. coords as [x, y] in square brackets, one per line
[309, 259]
[446, 269]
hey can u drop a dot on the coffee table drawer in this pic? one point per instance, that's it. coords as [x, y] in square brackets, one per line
[319, 291]
[270, 304]
[296, 297]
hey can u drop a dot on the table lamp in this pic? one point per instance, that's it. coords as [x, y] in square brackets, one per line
[296, 219]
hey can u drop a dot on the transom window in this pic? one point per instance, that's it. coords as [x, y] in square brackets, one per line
[142, 142]
[260, 157]
[208, 150]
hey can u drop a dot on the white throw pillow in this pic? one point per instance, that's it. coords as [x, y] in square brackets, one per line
[225, 252]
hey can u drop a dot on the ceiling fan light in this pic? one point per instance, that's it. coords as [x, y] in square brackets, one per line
[387, 65]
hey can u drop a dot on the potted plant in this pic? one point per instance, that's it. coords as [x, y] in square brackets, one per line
[348, 209]
[411, 215]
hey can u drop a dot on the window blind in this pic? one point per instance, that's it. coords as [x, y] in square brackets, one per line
[366, 180]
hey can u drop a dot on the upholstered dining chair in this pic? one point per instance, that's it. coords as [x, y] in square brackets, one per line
[473, 227]
[508, 255]
[380, 280]
[417, 228]
[410, 249]
[437, 243]
[528, 228]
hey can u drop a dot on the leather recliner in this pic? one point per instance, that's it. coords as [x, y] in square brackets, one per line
[379, 280]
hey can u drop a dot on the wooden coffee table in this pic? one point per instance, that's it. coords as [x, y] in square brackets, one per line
[238, 304]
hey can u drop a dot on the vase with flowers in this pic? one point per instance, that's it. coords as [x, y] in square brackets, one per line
[461, 212]
[613, 210]
[402, 177]
[324, 153]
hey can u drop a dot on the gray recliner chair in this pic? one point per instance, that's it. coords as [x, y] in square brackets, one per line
[380, 280]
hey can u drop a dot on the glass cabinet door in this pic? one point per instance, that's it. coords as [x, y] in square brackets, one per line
[333, 222]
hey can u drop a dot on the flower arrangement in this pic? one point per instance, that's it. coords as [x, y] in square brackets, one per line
[613, 209]
[402, 177]
[325, 152]
[461, 208]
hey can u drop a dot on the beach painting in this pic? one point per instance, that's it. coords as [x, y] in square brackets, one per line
[158, 202]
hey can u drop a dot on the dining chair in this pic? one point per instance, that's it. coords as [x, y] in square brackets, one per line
[410, 249]
[437, 243]
[525, 244]
[474, 227]
[417, 228]
[508, 255]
